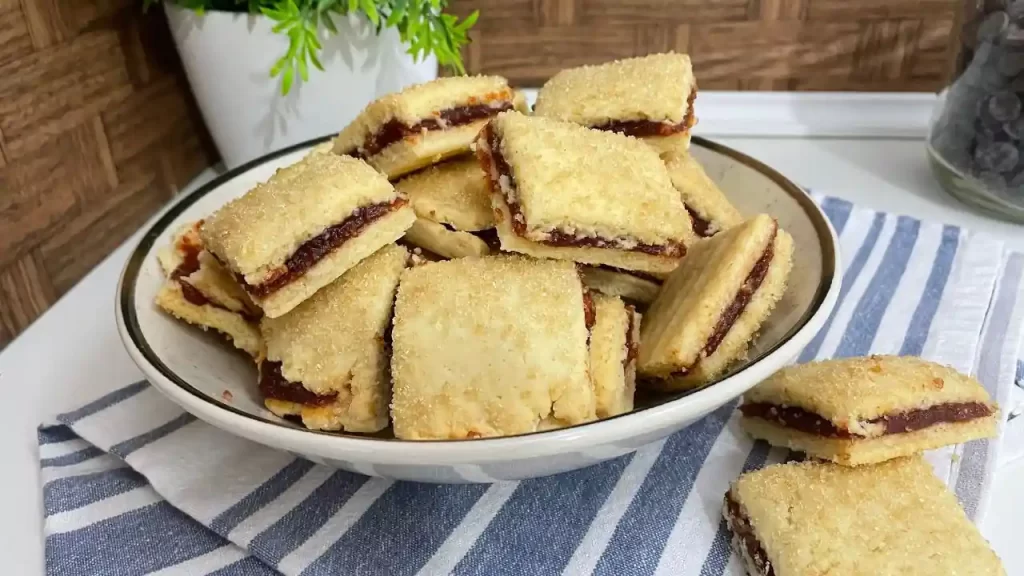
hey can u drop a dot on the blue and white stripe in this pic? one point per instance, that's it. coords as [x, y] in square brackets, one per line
[127, 492]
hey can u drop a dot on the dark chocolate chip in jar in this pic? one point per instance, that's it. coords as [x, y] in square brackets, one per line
[1015, 129]
[1004, 106]
[992, 80]
[1010, 62]
[1016, 182]
[984, 136]
[993, 26]
[996, 157]
[1013, 38]
[1016, 11]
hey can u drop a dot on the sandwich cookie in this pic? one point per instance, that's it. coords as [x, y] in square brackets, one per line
[201, 292]
[453, 209]
[613, 348]
[650, 97]
[713, 304]
[425, 123]
[490, 346]
[327, 360]
[893, 519]
[303, 228]
[865, 410]
[560, 190]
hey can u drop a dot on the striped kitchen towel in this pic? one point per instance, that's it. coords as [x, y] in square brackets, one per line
[132, 485]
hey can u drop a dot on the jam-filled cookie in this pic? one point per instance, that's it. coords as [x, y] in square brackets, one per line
[490, 346]
[304, 227]
[894, 519]
[327, 360]
[650, 97]
[713, 304]
[453, 208]
[710, 211]
[423, 124]
[613, 346]
[864, 410]
[560, 190]
[201, 292]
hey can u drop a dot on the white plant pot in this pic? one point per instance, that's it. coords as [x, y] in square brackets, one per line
[228, 57]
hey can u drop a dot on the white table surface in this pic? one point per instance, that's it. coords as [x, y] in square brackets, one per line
[61, 360]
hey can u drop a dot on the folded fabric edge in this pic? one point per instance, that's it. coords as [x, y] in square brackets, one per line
[101, 516]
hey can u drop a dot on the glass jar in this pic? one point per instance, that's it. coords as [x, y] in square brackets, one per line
[976, 142]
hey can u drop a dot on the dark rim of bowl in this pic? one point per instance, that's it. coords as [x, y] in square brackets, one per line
[126, 289]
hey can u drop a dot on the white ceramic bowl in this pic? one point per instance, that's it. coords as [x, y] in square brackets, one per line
[196, 369]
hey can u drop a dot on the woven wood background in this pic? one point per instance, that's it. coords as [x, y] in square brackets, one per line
[97, 131]
[874, 45]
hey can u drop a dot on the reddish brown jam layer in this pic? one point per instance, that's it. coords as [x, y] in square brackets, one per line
[589, 312]
[189, 264]
[556, 237]
[644, 128]
[701, 227]
[744, 532]
[189, 259]
[273, 385]
[738, 304]
[394, 130]
[631, 344]
[316, 248]
[899, 423]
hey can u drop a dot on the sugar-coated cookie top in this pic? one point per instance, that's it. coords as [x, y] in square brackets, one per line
[654, 87]
[850, 390]
[489, 346]
[265, 226]
[568, 177]
[422, 101]
[891, 519]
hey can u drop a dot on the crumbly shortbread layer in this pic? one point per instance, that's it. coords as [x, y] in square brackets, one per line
[243, 334]
[443, 242]
[655, 87]
[849, 392]
[609, 186]
[455, 192]
[419, 102]
[254, 234]
[489, 346]
[859, 451]
[425, 149]
[710, 209]
[333, 343]
[688, 312]
[378, 234]
[612, 355]
[622, 284]
[894, 518]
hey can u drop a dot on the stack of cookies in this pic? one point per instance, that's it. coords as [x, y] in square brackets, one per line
[454, 265]
[866, 501]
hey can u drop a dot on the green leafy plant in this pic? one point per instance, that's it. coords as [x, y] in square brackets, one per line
[423, 25]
